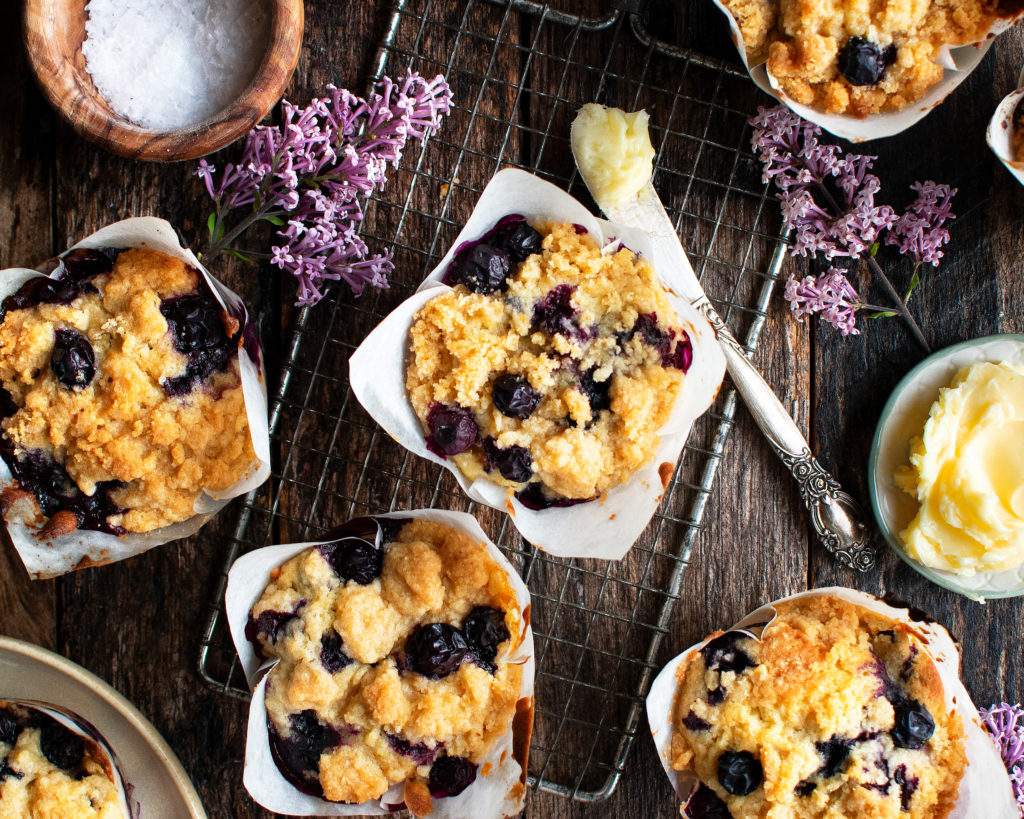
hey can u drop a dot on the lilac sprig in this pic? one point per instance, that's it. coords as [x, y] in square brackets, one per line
[1006, 725]
[310, 177]
[828, 202]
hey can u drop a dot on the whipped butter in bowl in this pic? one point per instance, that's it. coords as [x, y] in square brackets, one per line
[947, 468]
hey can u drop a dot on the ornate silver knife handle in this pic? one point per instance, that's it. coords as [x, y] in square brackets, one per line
[837, 518]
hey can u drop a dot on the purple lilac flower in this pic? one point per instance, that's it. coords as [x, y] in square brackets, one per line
[844, 220]
[309, 175]
[919, 232]
[1006, 725]
[830, 294]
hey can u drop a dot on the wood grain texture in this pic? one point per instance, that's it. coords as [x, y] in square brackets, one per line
[53, 35]
[137, 624]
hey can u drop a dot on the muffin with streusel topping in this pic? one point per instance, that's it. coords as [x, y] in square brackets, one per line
[551, 364]
[859, 57]
[835, 711]
[47, 770]
[393, 644]
[121, 393]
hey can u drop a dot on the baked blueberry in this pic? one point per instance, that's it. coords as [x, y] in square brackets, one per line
[73, 360]
[598, 393]
[450, 776]
[332, 657]
[60, 746]
[724, 654]
[913, 725]
[9, 728]
[554, 314]
[353, 558]
[513, 396]
[485, 630]
[516, 238]
[436, 650]
[481, 268]
[695, 723]
[453, 430]
[196, 324]
[269, 625]
[514, 463]
[739, 772]
[863, 62]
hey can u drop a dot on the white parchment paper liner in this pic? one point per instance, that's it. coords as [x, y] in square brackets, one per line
[496, 794]
[985, 790]
[55, 556]
[957, 62]
[82, 727]
[604, 528]
[905, 421]
[999, 135]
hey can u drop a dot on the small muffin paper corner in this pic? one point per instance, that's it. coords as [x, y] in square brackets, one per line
[499, 793]
[84, 548]
[985, 789]
[957, 62]
[604, 528]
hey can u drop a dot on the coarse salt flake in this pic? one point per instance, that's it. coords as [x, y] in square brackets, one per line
[166, 65]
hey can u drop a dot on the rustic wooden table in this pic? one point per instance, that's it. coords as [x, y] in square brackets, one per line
[138, 624]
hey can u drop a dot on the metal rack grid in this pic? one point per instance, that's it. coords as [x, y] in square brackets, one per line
[598, 625]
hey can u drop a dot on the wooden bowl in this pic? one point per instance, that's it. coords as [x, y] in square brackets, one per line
[54, 31]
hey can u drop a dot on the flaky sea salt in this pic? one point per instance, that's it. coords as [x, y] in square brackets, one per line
[166, 64]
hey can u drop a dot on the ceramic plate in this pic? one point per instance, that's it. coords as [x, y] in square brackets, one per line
[903, 418]
[160, 785]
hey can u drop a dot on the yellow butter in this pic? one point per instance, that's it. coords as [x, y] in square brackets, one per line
[967, 473]
[613, 152]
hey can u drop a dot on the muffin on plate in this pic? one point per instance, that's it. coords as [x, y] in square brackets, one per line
[47, 770]
[550, 366]
[121, 395]
[393, 661]
[834, 711]
[857, 56]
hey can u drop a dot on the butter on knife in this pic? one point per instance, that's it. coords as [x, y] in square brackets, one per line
[613, 152]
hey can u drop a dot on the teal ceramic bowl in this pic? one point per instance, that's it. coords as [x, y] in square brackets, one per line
[903, 418]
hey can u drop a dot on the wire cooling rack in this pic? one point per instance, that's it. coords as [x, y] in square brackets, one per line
[519, 71]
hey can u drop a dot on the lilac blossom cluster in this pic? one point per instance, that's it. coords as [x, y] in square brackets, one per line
[828, 202]
[311, 174]
[1006, 725]
[831, 295]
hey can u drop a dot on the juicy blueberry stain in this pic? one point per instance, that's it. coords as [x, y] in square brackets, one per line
[59, 745]
[554, 314]
[724, 654]
[298, 755]
[38, 473]
[270, 624]
[418, 752]
[695, 723]
[196, 325]
[706, 804]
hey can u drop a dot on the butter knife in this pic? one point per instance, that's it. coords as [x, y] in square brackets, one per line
[836, 517]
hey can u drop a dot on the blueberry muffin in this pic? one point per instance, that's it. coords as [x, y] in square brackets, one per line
[550, 366]
[46, 770]
[836, 711]
[858, 57]
[393, 642]
[121, 397]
